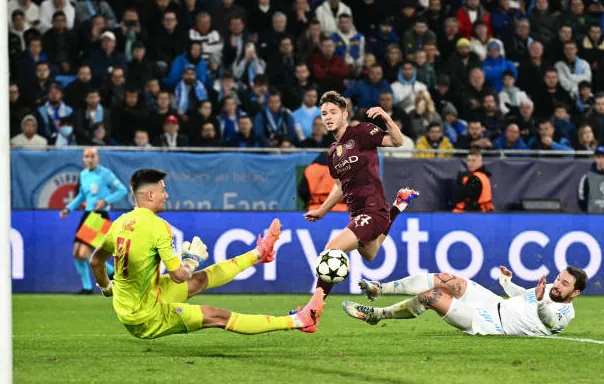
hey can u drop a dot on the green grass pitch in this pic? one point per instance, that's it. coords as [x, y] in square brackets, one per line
[75, 339]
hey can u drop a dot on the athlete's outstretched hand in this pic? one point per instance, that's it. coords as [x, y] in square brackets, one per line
[540, 288]
[374, 112]
[64, 212]
[314, 215]
[505, 271]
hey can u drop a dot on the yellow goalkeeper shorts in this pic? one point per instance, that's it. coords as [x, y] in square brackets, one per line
[171, 315]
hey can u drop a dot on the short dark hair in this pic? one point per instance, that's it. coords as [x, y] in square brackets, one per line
[244, 116]
[543, 122]
[475, 152]
[17, 12]
[324, 38]
[261, 80]
[274, 92]
[550, 69]
[560, 104]
[570, 42]
[421, 19]
[146, 176]
[434, 124]
[579, 275]
[334, 97]
[96, 126]
[508, 73]
[57, 14]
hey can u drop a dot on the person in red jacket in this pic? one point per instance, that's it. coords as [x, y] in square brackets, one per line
[468, 14]
[328, 69]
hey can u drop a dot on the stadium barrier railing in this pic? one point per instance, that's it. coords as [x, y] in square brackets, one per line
[389, 152]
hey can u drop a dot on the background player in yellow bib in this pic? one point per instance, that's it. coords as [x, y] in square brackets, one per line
[151, 305]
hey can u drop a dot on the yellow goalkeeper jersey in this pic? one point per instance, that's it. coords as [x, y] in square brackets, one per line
[139, 240]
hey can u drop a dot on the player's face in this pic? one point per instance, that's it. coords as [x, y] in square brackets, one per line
[563, 289]
[158, 197]
[474, 162]
[90, 158]
[333, 117]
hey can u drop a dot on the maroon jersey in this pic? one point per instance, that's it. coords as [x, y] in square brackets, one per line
[354, 161]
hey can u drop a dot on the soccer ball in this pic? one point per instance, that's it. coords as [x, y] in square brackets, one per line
[332, 266]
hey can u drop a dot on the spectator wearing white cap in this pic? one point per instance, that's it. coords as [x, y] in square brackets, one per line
[103, 60]
[48, 9]
[28, 136]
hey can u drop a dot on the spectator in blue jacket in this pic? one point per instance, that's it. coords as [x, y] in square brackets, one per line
[495, 65]
[545, 140]
[563, 126]
[511, 139]
[101, 60]
[191, 57]
[366, 93]
[384, 36]
[275, 120]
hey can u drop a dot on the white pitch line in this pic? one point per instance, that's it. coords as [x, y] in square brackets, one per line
[593, 341]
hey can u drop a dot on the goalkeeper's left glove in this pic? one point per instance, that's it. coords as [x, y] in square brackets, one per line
[194, 253]
[108, 290]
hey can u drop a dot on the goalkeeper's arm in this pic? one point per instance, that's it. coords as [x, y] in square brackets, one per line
[193, 255]
[97, 264]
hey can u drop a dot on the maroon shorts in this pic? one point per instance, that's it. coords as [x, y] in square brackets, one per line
[370, 225]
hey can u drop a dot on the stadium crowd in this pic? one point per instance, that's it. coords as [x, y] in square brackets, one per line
[497, 74]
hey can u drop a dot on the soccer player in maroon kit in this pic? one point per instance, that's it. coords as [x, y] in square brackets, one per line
[353, 163]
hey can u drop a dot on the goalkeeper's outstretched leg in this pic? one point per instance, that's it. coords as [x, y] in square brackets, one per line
[223, 273]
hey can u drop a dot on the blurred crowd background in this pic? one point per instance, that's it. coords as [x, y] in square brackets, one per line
[468, 74]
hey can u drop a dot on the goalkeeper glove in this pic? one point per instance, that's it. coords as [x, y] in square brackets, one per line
[108, 290]
[194, 253]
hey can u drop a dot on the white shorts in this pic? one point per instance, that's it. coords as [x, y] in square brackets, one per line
[476, 312]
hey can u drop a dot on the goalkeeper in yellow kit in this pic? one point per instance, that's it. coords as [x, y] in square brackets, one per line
[151, 305]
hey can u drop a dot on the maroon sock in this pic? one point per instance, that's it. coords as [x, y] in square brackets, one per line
[326, 287]
[394, 212]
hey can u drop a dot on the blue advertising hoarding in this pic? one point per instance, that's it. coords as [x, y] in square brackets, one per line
[472, 245]
[228, 181]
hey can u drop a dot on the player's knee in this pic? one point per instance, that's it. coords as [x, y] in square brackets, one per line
[215, 317]
[429, 298]
[367, 254]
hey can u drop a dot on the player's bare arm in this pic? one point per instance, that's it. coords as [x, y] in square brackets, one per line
[332, 199]
[97, 264]
[395, 137]
[505, 280]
